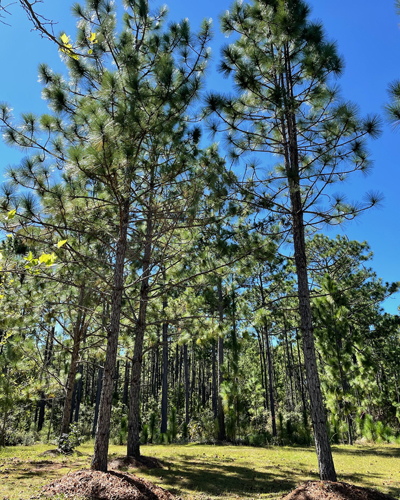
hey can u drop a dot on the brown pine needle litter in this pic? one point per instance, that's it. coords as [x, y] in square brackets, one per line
[328, 490]
[110, 485]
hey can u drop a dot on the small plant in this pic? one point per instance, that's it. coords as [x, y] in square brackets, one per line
[68, 442]
[152, 426]
[173, 424]
[145, 434]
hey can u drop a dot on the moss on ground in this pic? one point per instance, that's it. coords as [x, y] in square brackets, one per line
[205, 471]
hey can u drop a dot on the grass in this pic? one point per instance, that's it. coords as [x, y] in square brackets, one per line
[207, 472]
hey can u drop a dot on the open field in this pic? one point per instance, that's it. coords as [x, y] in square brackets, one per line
[204, 471]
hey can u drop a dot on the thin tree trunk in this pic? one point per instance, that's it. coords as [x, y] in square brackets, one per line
[322, 445]
[47, 359]
[79, 394]
[51, 420]
[164, 394]
[126, 384]
[214, 381]
[289, 133]
[70, 387]
[221, 416]
[99, 461]
[187, 382]
[289, 366]
[97, 405]
[270, 379]
[133, 443]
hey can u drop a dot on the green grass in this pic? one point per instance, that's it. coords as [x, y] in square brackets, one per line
[202, 471]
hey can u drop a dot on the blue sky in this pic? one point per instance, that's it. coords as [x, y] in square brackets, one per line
[368, 36]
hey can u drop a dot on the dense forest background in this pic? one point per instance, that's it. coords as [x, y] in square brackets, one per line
[158, 286]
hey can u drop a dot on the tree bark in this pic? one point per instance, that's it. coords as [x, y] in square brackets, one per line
[271, 384]
[187, 382]
[97, 405]
[46, 362]
[70, 387]
[133, 443]
[126, 384]
[289, 133]
[99, 461]
[221, 416]
[214, 381]
[164, 393]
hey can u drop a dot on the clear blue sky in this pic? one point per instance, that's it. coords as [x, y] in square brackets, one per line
[368, 37]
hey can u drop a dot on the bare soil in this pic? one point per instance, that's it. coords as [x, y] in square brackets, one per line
[327, 490]
[112, 485]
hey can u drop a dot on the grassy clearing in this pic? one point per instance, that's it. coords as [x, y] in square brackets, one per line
[203, 471]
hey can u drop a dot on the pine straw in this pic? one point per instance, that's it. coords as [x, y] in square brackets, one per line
[327, 490]
[112, 485]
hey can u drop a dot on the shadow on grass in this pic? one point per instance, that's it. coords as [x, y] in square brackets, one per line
[376, 452]
[222, 479]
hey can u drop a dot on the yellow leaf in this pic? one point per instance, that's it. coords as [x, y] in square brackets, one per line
[90, 51]
[61, 243]
[9, 235]
[11, 214]
[44, 258]
[65, 39]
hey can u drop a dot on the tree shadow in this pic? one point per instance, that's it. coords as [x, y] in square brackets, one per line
[223, 479]
[188, 474]
[380, 452]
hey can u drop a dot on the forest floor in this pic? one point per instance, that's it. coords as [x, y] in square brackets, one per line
[203, 472]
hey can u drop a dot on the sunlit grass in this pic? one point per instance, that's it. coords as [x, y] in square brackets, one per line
[204, 471]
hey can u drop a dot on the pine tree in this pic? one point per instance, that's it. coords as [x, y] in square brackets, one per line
[282, 64]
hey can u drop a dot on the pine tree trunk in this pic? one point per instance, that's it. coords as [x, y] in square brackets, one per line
[322, 445]
[271, 384]
[178, 397]
[164, 394]
[221, 416]
[70, 387]
[97, 405]
[187, 382]
[302, 384]
[42, 406]
[214, 381]
[133, 442]
[193, 380]
[79, 394]
[291, 158]
[47, 360]
[126, 384]
[99, 461]
[289, 367]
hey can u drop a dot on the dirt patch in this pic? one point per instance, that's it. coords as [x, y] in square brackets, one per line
[50, 453]
[112, 485]
[121, 463]
[57, 453]
[327, 490]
